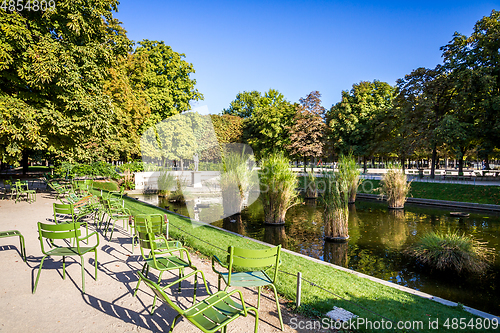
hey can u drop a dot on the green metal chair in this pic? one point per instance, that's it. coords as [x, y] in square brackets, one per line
[115, 213]
[22, 189]
[211, 314]
[266, 260]
[68, 210]
[13, 233]
[161, 256]
[70, 231]
[159, 226]
[61, 190]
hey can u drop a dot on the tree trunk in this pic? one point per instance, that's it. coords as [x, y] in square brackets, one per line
[305, 164]
[364, 165]
[433, 162]
[24, 161]
[403, 163]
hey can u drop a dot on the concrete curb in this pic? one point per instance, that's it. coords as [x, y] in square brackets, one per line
[438, 203]
[374, 279]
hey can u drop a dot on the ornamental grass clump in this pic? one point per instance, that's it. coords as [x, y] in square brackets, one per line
[452, 251]
[350, 171]
[278, 188]
[166, 183]
[395, 187]
[236, 180]
[335, 199]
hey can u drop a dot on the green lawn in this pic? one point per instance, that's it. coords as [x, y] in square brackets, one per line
[444, 191]
[361, 296]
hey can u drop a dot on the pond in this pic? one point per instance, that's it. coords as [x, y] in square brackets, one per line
[378, 237]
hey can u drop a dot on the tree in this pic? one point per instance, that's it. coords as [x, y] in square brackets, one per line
[429, 95]
[354, 121]
[244, 104]
[167, 84]
[52, 68]
[228, 128]
[306, 133]
[266, 130]
[475, 63]
[131, 111]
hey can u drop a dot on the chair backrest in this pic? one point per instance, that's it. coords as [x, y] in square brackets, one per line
[66, 209]
[53, 232]
[254, 259]
[147, 227]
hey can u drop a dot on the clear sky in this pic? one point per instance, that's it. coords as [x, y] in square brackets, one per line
[297, 47]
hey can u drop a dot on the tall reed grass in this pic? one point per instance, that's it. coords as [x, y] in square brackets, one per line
[237, 178]
[395, 187]
[335, 198]
[278, 188]
[350, 171]
[166, 183]
[452, 251]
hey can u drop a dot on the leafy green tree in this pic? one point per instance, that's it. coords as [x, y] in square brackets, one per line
[228, 128]
[307, 130]
[52, 68]
[131, 112]
[354, 121]
[244, 104]
[430, 96]
[167, 84]
[475, 62]
[266, 130]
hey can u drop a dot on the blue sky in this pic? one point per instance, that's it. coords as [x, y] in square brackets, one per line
[297, 47]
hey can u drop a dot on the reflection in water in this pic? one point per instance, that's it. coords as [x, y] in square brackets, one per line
[275, 234]
[336, 253]
[234, 223]
[378, 238]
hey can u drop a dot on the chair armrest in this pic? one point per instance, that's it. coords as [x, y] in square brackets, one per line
[88, 236]
[214, 257]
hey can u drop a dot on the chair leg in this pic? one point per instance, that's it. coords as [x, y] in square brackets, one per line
[256, 319]
[140, 279]
[95, 263]
[278, 306]
[173, 323]
[23, 248]
[38, 275]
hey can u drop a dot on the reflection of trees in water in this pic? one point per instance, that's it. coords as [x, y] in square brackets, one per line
[234, 223]
[336, 253]
[275, 235]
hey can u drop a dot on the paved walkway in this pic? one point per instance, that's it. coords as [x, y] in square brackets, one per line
[108, 305]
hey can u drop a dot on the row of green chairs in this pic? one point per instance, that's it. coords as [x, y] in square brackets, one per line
[217, 310]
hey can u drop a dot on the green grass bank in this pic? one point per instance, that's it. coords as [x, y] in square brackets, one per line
[444, 191]
[367, 299]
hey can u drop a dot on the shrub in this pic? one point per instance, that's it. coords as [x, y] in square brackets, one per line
[134, 166]
[395, 187]
[278, 188]
[452, 251]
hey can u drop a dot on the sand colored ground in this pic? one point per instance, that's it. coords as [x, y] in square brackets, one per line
[108, 304]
